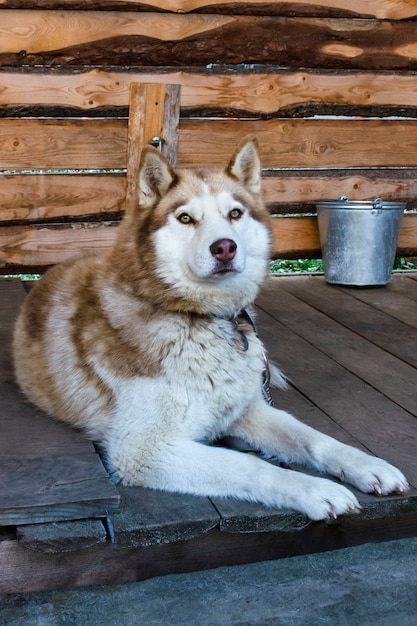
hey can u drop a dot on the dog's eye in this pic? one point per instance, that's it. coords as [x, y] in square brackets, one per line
[235, 214]
[184, 218]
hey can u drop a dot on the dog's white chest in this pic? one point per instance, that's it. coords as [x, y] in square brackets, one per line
[216, 370]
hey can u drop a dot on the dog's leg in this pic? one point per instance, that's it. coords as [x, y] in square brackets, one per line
[191, 467]
[277, 433]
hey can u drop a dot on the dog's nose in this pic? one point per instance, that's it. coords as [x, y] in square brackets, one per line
[224, 250]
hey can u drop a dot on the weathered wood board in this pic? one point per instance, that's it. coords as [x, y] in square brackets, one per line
[389, 9]
[363, 375]
[148, 517]
[62, 537]
[284, 143]
[48, 471]
[73, 39]
[279, 93]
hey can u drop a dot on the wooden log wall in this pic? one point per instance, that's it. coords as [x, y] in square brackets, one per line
[329, 87]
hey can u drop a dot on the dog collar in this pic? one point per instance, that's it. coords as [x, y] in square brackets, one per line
[238, 320]
[244, 317]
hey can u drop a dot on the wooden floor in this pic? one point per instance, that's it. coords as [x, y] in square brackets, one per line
[350, 355]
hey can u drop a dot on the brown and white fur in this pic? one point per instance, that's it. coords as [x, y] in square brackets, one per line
[139, 348]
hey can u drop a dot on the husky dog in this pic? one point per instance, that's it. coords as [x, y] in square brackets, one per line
[145, 348]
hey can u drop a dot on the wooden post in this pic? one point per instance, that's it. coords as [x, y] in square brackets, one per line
[153, 112]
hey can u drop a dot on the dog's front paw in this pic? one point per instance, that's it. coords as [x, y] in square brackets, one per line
[326, 500]
[379, 477]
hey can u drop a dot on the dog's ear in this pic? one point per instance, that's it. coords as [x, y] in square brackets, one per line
[156, 176]
[245, 164]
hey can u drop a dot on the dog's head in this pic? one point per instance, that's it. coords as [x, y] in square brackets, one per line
[205, 233]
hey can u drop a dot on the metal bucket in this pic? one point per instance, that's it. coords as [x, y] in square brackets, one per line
[358, 239]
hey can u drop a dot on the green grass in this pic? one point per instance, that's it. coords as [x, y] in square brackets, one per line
[290, 266]
[405, 264]
[22, 276]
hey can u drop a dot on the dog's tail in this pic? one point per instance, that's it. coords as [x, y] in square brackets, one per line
[277, 378]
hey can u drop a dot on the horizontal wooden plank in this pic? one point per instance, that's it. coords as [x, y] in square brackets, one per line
[28, 144]
[285, 191]
[50, 197]
[246, 517]
[298, 237]
[44, 245]
[57, 144]
[317, 143]
[389, 9]
[254, 93]
[59, 537]
[149, 517]
[54, 197]
[109, 38]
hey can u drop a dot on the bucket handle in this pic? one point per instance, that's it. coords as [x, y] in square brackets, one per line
[378, 202]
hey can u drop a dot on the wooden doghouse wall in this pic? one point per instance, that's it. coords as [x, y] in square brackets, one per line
[329, 87]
